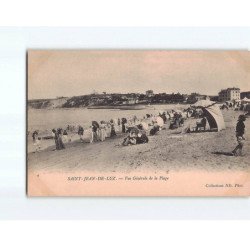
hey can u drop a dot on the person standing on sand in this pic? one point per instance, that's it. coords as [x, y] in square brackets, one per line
[240, 130]
[112, 133]
[58, 139]
[34, 136]
[65, 136]
[61, 144]
[80, 132]
[95, 130]
[55, 135]
[36, 141]
[103, 133]
[91, 134]
[124, 122]
[119, 124]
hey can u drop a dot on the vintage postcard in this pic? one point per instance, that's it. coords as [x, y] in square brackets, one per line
[138, 123]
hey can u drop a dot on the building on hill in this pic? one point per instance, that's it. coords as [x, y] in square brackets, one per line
[229, 94]
[194, 97]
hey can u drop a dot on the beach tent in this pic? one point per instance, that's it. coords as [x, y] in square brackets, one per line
[213, 114]
[245, 100]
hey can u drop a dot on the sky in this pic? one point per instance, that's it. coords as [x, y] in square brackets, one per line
[54, 73]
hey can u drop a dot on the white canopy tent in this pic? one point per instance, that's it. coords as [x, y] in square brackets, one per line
[245, 100]
[212, 113]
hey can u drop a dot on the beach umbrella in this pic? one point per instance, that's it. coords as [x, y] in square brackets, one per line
[213, 114]
[245, 100]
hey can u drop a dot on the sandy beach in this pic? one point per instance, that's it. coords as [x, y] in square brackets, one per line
[169, 150]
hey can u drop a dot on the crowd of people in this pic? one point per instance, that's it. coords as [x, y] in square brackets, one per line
[136, 130]
[235, 105]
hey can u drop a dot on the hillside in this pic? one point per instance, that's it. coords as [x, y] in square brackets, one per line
[113, 100]
[47, 103]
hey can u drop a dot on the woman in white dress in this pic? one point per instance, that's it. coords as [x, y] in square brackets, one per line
[91, 134]
[103, 133]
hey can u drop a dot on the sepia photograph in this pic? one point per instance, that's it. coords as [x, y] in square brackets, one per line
[138, 123]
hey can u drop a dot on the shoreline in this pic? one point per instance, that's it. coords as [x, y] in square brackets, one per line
[110, 106]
